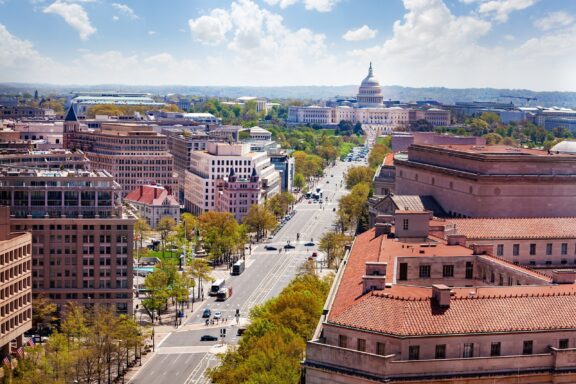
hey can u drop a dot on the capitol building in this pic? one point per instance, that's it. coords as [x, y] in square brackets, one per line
[369, 110]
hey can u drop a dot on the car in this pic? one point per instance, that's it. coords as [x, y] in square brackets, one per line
[208, 338]
[309, 244]
[270, 248]
[207, 313]
[289, 246]
[217, 315]
[314, 254]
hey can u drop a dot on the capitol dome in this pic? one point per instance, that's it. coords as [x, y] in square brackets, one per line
[370, 92]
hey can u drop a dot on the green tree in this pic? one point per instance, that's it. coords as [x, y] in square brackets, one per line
[280, 203]
[421, 125]
[165, 225]
[299, 181]
[377, 154]
[259, 219]
[221, 235]
[333, 244]
[358, 174]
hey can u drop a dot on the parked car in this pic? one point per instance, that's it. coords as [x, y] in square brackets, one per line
[207, 313]
[270, 248]
[309, 244]
[217, 315]
[208, 338]
[289, 246]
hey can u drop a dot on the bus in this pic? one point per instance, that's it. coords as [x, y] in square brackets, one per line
[238, 267]
[216, 286]
[224, 293]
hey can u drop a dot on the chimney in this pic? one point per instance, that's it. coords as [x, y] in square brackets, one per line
[441, 294]
[483, 249]
[375, 277]
[382, 229]
[564, 276]
[456, 240]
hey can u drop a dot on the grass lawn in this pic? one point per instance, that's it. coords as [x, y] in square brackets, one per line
[345, 148]
[329, 132]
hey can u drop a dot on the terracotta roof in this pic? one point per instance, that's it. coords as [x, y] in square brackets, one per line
[151, 195]
[516, 228]
[388, 160]
[418, 317]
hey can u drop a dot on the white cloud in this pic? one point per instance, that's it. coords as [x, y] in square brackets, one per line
[320, 5]
[500, 9]
[311, 5]
[74, 15]
[115, 18]
[126, 10]
[211, 29]
[151, 33]
[362, 33]
[282, 3]
[554, 20]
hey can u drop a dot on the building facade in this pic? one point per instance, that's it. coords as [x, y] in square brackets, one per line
[15, 284]
[82, 239]
[236, 195]
[134, 154]
[409, 307]
[154, 202]
[210, 167]
[489, 181]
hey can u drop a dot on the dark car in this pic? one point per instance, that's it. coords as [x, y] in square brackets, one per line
[270, 248]
[309, 244]
[314, 254]
[289, 246]
[206, 313]
[208, 338]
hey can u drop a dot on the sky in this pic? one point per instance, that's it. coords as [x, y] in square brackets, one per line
[518, 44]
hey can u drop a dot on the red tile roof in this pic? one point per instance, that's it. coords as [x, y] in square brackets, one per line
[485, 314]
[151, 195]
[516, 228]
[388, 160]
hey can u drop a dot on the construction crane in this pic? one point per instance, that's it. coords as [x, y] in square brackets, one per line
[520, 97]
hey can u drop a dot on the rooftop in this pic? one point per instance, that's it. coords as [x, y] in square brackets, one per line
[514, 228]
[151, 195]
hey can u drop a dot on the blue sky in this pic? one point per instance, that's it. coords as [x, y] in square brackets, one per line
[453, 43]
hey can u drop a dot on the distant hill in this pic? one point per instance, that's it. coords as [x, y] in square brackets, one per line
[405, 94]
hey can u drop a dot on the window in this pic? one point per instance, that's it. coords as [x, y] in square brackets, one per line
[495, 349]
[563, 343]
[564, 248]
[532, 249]
[361, 345]
[405, 224]
[342, 341]
[424, 271]
[380, 349]
[527, 347]
[468, 350]
[500, 250]
[515, 249]
[469, 270]
[414, 352]
[548, 248]
[448, 271]
[440, 351]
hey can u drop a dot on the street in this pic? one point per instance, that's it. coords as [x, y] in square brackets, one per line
[181, 357]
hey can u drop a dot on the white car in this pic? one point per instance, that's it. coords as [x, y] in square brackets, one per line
[217, 315]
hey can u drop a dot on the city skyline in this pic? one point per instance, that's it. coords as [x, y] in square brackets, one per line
[463, 43]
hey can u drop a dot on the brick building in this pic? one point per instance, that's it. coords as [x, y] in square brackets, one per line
[134, 154]
[15, 284]
[407, 306]
[81, 237]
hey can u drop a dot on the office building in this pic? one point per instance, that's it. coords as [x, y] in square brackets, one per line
[237, 194]
[81, 237]
[489, 181]
[15, 285]
[134, 154]
[407, 306]
[208, 169]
